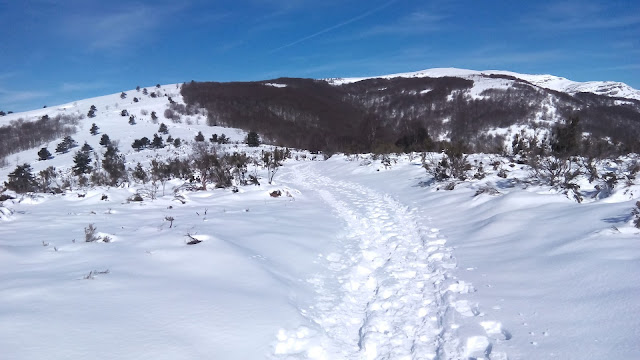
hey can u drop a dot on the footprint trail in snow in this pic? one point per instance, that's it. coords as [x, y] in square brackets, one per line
[391, 294]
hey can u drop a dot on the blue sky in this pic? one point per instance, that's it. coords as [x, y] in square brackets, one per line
[54, 52]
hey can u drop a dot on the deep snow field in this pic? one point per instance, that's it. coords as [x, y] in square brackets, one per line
[356, 260]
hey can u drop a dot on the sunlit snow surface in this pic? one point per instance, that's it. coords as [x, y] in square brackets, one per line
[354, 261]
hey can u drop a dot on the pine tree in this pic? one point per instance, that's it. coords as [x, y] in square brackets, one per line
[253, 139]
[113, 165]
[123, 95]
[566, 138]
[66, 144]
[140, 144]
[86, 147]
[154, 117]
[132, 120]
[104, 140]
[44, 154]
[61, 148]
[94, 129]
[70, 142]
[163, 129]
[145, 141]
[21, 180]
[82, 159]
[140, 174]
[92, 111]
[137, 145]
[199, 137]
[157, 142]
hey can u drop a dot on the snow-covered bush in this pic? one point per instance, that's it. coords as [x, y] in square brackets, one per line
[136, 197]
[453, 164]
[636, 214]
[555, 171]
[90, 234]
[172, 115]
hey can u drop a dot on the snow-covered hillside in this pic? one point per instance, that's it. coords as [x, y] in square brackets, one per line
[359, 258]
[110, 121]
[607, 88]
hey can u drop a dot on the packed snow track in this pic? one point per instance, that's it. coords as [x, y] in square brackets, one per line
[390, 294]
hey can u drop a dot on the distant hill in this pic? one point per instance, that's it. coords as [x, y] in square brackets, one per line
[482, 110]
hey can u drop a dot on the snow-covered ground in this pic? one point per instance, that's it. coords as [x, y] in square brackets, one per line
[356, 260]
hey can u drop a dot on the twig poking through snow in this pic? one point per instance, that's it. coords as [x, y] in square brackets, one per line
[192, 240]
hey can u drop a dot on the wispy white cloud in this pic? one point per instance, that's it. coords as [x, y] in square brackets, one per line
[337, 26]
[116, 29]
[279, 8]
[12, 98]
[626, 48]
[580, 15]
[416, 23]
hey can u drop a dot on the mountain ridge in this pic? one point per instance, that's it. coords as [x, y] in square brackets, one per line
[614, 89]
[485, 110]
[547, 81]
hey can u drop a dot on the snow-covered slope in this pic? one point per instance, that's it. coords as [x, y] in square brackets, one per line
[359, 259]
[111, 122]
[607, 88]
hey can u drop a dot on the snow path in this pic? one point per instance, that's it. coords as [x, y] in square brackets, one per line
[389, 295]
